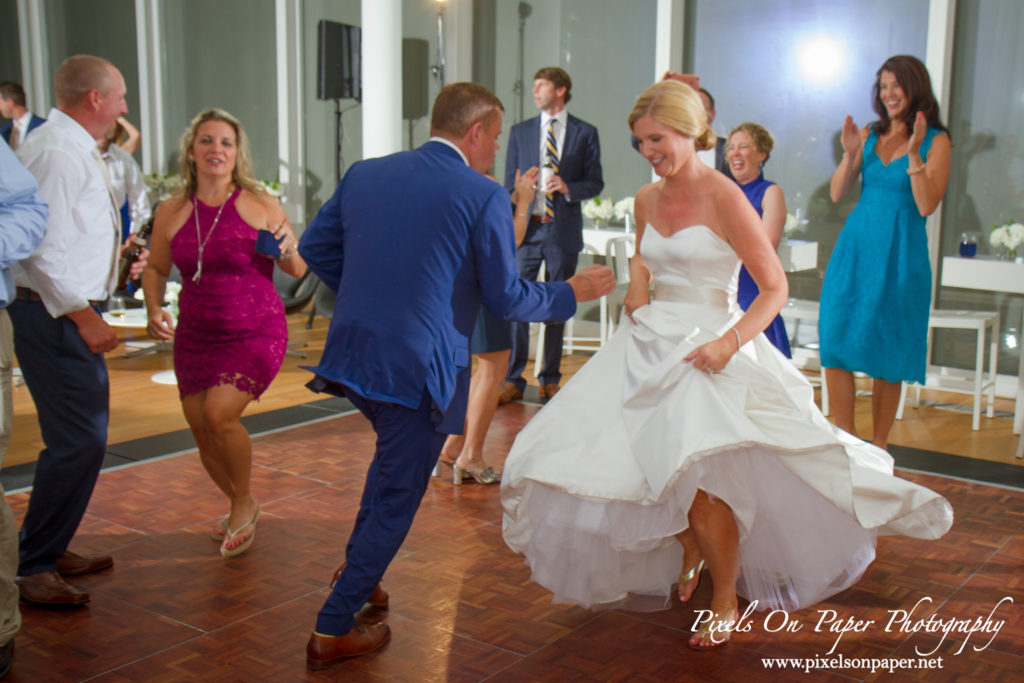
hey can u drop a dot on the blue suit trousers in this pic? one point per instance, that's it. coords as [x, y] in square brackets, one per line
[408, 445]
[71, 390]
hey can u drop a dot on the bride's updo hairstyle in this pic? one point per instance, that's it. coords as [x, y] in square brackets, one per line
[677, 106]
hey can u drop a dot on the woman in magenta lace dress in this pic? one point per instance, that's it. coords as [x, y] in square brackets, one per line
[231, 333]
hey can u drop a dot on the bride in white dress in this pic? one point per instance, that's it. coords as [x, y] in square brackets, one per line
[689, 439]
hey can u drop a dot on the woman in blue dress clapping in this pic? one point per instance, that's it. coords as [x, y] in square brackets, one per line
[877, 290]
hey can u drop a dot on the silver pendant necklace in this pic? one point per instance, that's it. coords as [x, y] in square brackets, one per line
[199, 237]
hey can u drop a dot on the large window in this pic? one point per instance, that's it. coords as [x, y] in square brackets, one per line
[798, 68]
[105, 29]
[608, 51]
[10, 46]
[221, 54]
[986, 184]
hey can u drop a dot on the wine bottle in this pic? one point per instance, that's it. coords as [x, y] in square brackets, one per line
[139, 241]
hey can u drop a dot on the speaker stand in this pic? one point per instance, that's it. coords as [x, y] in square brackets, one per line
[338, 132]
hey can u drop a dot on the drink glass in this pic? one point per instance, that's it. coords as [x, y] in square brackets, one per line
[116, 307]
[968, 245]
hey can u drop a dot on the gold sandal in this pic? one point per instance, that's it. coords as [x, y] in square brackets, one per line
[687, 577]
[710, 627]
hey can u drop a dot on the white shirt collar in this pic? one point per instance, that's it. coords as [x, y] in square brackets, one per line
[23, 123]
[79, 135]
[562, 117]
[451, 144]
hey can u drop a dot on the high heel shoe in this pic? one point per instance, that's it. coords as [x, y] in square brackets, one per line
[716, 629]
[482, 475]
[687, 577]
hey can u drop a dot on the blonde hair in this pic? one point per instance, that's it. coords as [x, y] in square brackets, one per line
[759, 135]
[677, 106]
[242, 175]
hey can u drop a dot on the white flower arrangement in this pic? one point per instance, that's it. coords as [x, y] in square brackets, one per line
[162, 185]
[599, 209]
[273, 188]
[171, 292]
[1009, 235]
[792, 224]
[623, 208]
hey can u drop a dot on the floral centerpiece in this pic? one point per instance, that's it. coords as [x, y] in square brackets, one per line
[599, 209]
[162, 185]
[1007, 236]
[171, 292]
[791, 225]
[624, 211]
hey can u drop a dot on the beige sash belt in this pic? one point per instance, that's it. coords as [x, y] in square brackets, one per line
[691, 294]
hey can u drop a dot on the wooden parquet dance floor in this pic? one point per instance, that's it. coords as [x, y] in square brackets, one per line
[463, 607]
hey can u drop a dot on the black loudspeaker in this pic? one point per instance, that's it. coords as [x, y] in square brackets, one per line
[415, 78]
[338, 74]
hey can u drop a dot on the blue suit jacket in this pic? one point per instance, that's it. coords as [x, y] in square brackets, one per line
[412, 243]
[579, 166]
[33, 123]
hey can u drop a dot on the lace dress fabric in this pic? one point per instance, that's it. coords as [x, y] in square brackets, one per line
[231, 326]
[600, 480]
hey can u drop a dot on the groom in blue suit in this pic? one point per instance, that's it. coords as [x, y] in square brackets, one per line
[412, 243]
[569, 153]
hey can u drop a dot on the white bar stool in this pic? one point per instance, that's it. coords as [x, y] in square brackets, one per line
[955, 379]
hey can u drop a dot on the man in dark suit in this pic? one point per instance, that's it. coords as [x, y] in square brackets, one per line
[13, 107]
[570, 173]
[412, 243]
[714, 158]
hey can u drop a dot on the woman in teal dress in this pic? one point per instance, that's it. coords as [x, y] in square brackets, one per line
[877, 290]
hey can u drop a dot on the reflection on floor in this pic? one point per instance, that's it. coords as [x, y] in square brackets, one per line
[463, 607]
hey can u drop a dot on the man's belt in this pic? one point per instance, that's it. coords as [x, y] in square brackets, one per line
[26, 294]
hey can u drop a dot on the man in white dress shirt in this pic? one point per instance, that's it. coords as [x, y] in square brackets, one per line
[59, 335]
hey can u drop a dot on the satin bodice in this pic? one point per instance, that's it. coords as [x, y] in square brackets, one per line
[692, 264]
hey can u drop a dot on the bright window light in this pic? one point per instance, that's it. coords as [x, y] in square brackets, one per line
[820, 58]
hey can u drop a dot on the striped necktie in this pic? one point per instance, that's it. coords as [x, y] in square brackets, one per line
[552, 161]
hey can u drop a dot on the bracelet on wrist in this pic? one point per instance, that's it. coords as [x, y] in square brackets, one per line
[913, 171]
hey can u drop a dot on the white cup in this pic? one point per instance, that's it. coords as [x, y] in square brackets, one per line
[546, 172]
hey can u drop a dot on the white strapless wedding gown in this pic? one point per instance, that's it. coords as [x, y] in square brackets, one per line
[599, 481]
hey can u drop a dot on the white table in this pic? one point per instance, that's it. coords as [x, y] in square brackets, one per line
[136, 318]
[797, 255]
[996, 276]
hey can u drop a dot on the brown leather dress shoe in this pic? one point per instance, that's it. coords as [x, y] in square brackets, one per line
[379, 598]
[326, 651]
[72, 564]
[509, 393]
[549, 390]
[48, 589]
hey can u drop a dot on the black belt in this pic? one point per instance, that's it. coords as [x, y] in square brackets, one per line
[26, 294]
[540, 219]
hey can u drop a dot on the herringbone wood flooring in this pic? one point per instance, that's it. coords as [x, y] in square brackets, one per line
[463, 607]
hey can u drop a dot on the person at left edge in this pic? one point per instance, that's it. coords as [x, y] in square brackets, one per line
[59, 335]
[23, 220]
[410, 273]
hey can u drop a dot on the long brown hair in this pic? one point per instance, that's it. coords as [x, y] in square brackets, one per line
[913, 78]
[242, 175]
